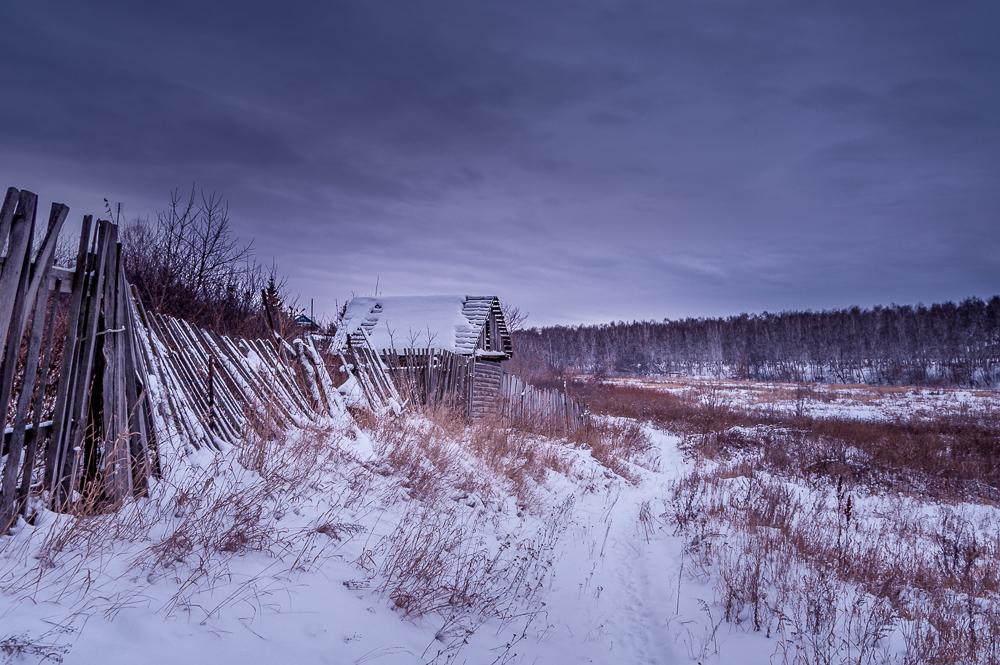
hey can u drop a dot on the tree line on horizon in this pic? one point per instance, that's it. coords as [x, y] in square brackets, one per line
[941, 344]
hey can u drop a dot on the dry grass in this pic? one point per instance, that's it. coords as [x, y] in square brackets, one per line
[830, 574]
[439, 561]
[19, 648]
[198, 519]
[436, 562]
[617, 444]
[833, 534]
[950, 456]
[431, 449]
[438, 558]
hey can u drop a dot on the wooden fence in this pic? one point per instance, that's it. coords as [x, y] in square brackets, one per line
[83, 365]
[524, 404]
[98, 441]
[437, 377]
[213, 388]
[431, 377]
[373, 376]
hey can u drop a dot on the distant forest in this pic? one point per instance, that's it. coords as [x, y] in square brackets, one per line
[946, 343]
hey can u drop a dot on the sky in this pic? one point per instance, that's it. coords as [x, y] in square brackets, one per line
[586, 161]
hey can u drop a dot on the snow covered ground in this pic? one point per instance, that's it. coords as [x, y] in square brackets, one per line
[402, 543]
[819, 400]
[309, 592]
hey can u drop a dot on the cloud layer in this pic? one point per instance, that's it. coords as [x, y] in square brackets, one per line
[589, 161]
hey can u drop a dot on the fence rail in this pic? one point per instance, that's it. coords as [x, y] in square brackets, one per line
[432, 377]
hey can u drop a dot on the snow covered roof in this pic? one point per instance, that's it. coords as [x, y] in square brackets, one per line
[453, 322]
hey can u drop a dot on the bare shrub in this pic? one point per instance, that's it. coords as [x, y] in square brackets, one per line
[435, 562]
[189, 264]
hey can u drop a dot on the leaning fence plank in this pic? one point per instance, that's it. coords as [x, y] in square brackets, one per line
[7, 215]
[46, 254]
[36, 436]
[134, 397]
[17, 263]
[81, 463]
[8, 504]
[61, 418]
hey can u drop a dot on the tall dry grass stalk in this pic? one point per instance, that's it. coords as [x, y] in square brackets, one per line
[206, 511]
[831, 574]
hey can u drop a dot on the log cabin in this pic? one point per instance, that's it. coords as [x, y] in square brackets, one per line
[467, 334]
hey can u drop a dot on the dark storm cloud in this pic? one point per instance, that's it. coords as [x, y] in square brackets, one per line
[587, 160]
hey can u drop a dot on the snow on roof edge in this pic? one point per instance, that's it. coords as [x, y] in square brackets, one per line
[450, 322]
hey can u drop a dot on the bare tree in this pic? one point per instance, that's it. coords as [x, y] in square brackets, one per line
[944, 343]
[189, 263]
[514, 316]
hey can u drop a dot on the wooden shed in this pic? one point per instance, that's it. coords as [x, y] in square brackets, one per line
[465, 339]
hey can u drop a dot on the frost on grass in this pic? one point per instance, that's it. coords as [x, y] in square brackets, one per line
[446, 526]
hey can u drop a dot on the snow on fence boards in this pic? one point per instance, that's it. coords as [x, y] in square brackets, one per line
[478, 388]
[372, 375]
[98, 443]
[213, 388]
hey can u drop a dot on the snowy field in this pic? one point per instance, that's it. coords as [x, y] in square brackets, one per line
[863, 402]
[419, 541]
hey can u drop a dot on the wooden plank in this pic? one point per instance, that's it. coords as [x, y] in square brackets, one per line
[16, 277]
[22, 228]
[227, 396]
[61, 419]
[46, 253]
[171, 384]
[115, 451]
[186, 373]
[36, 433]
[9, 508]
[136, 403]
[79, 463]
[7, 210]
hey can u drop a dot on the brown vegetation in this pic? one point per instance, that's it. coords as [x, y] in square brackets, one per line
[429, 449]
[828, 534]
[954, 455]
[830, 574]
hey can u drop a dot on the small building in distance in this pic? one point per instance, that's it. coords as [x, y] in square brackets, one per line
[303, 320]
[450, 346]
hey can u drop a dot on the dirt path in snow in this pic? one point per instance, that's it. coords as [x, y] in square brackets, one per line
[613, 592]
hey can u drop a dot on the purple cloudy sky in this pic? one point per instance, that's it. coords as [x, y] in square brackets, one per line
[586, 160]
